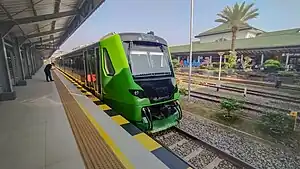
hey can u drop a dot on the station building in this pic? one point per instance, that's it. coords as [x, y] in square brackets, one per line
[260, 45]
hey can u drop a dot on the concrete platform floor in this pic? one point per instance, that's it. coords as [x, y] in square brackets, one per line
[34, 133]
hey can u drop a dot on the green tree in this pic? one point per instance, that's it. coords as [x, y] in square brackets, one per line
[237, 16]
[272, 65]
[246, 62]
[230, 61]
[230, 105]
[277, 124]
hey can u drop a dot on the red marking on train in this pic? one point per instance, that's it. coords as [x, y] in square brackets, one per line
[91, 77]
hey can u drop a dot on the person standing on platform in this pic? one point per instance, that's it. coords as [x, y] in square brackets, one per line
[47, 71]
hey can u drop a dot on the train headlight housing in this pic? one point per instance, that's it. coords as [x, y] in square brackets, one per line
[176, 89]
[173, 80]
[138, 93]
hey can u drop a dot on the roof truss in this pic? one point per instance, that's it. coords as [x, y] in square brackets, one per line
[39, 18]
[76, 16]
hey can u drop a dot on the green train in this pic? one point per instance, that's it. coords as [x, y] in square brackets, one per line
[133, 74]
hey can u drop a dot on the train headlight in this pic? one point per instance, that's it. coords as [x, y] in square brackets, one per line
[137, 93]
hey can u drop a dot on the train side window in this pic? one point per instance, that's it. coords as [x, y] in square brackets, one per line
[108, 64]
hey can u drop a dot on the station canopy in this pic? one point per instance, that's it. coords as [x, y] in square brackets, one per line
[45, 24]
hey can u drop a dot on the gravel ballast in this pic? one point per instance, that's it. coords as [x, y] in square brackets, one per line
[261, 155]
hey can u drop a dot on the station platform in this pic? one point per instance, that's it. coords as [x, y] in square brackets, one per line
[54, 125]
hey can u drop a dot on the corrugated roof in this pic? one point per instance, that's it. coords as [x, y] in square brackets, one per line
[223, 28]
[294, 31]
[271, 41]
[16, 8]
[33, 20]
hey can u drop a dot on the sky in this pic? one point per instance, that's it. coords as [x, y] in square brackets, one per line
[170, 18]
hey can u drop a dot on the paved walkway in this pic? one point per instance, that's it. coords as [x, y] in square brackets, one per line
[34, 132]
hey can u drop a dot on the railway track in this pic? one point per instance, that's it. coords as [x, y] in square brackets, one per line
[247, 105]
[198, 153]
[241, 81]
[249, 91]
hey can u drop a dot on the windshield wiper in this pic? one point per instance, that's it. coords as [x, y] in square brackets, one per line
[162, 73]
[143, 75]
[153, 74]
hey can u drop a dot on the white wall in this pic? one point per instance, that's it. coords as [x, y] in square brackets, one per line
[250, 35]
[240, 35]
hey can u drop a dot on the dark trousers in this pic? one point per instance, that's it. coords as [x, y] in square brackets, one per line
[48, 76]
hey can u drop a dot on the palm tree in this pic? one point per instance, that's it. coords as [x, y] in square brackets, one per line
[237, 16]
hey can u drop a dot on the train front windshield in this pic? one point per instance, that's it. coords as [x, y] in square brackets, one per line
[149, 60]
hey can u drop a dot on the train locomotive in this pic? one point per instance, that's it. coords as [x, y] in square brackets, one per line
[133, 74]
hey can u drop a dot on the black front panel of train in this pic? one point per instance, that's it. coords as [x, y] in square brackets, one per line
[158, 90]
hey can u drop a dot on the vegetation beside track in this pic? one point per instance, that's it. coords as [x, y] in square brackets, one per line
[254, 127]
[270, 125]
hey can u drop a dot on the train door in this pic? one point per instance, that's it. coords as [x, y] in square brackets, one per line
[91, 68]
[107, 70]
[79, 62]
[98, 74]
[88, 68]
[85, 66]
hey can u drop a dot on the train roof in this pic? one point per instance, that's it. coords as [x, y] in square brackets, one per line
[142, 37]
[134, 36]
[129, 36]
[79, 50]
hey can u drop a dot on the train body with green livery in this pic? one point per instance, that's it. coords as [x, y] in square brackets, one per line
[133, 74]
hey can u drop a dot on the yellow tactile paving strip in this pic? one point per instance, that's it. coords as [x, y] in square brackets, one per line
[94, 150]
